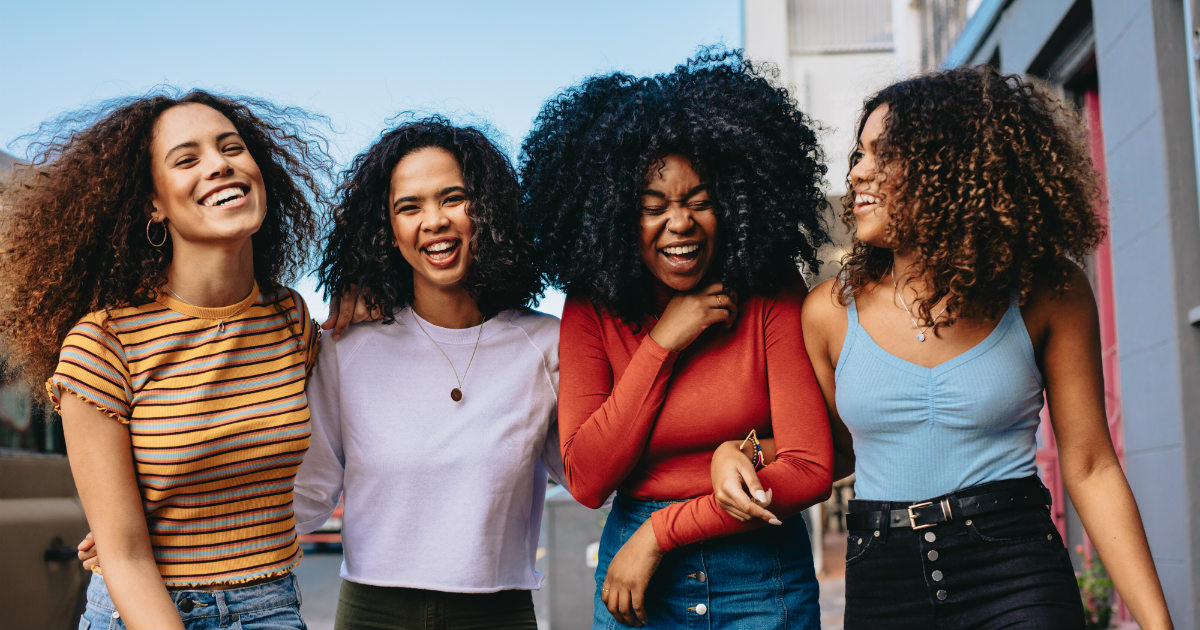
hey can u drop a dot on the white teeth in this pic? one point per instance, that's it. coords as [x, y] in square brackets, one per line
[221, 196]
[440, 246]
[680, 250]
[865, 198]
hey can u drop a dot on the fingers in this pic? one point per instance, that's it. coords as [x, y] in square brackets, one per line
[87, 543]
[637, 601]
[334, 308]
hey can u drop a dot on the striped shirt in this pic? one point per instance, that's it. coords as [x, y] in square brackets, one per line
[218, 421]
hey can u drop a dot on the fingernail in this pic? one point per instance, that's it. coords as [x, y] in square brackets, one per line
[775, 521]
[760, 495]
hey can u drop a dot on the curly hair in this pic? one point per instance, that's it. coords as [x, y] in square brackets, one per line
[361, 249]
[74, 237]
[584, 164]
[990, 184]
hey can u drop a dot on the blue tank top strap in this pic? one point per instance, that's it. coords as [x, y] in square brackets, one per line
[852, 333]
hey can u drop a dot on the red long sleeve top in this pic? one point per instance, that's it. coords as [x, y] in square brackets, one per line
[639, 418]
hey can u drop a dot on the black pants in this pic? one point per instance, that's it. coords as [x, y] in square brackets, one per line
[362, 606]
[1005, 569]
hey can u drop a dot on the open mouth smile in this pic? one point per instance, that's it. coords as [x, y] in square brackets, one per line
[442, 252]
[682, 257]
[227, 196]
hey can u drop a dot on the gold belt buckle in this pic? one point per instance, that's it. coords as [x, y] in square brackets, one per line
[912, 517]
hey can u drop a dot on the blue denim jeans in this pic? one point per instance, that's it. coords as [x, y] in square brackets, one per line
[1003, 569]
[760, 579]
[274, 604]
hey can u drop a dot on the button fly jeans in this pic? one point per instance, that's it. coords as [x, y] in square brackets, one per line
[273, 604]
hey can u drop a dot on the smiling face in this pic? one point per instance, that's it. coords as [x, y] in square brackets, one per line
[678, 224]
[206, 184]
[871, 209]
[429, 214]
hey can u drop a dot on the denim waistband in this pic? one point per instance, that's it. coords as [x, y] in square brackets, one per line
[641, 506]
[199, 603]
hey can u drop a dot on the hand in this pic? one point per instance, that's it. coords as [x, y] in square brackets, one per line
[736, 486]
[689, 314]
[629, 573]
[87, 553]
[349, 308]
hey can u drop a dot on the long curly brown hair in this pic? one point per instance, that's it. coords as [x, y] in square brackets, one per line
[73, 239]
[989, 182]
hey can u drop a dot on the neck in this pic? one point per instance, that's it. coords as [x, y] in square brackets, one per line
[662, 295]
[902, 269]
[446, 307]
[211, 277]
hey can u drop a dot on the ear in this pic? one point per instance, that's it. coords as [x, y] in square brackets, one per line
[155, 214]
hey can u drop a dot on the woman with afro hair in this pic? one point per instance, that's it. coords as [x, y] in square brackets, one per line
[436, 424]
[959, 311]
[673, 210]
[151, 239]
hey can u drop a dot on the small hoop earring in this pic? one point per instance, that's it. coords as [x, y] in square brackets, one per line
[151, 240]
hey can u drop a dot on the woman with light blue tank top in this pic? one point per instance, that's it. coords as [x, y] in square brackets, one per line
[960, 308]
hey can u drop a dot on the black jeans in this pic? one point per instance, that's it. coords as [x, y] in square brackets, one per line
[1005, 569]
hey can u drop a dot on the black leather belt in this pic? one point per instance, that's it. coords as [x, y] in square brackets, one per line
[964, 504]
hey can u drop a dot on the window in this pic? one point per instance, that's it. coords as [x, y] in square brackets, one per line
[832, 26]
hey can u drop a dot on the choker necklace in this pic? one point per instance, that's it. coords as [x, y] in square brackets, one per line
[904, 303]
[456, 393]
[221, 321]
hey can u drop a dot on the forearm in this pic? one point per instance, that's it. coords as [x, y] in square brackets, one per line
[136, 588]
[1110, 515]
[603, 436]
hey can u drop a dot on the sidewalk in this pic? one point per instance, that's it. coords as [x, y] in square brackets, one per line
[832, 578]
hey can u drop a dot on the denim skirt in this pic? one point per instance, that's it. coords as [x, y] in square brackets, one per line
[759, 579]
[273, 604]
[1003, 569]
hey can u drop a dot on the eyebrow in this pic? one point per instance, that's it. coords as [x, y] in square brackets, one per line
[691, 193]
[192, 144]
[441, 193]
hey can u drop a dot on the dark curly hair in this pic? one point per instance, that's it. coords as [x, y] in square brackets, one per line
[74, 236]
[361, 249]
[990, 184]
[585, 161]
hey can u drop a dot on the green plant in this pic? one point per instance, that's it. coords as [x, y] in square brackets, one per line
[1096, 590]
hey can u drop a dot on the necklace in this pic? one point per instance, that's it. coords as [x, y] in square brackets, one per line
[904, 303]
[220, 321]
[456, 393]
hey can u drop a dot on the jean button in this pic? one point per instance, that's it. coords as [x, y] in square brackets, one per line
[186, 604]
[936, 575]
[233, 617]
[942, 594]
[932, 555]
[701, 577]
[930, 536]
[701, 609]
[116, 615]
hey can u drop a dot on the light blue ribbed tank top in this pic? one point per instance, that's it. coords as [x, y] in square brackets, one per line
[923, 432]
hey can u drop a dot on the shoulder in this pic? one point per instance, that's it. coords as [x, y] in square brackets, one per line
[821, 305]
[1070, 304]
[109, 323]
[541, 328]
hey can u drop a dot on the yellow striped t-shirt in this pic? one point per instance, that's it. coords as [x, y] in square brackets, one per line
[218, 420]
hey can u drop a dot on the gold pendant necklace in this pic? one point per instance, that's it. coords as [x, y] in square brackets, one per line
[221, 321]
[456, 394]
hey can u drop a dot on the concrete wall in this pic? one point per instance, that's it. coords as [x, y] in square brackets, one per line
[1145, 108]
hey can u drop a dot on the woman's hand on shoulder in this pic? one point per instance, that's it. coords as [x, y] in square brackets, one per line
[348, 308]
[689, 314]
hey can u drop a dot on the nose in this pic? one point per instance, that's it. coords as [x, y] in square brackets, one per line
[680, 219]
[219, 165]
[862, 170]
[433, 219]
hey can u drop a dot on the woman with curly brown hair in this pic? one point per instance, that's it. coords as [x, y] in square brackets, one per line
[150, 239]
[437, 424]
[960, 306]
[673, 210]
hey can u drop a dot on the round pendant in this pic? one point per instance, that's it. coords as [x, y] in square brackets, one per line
[920, 337]
[456, 394]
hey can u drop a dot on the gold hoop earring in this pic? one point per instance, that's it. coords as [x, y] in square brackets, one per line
[151, 240]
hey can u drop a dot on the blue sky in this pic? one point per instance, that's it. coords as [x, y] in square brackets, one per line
[359, 63]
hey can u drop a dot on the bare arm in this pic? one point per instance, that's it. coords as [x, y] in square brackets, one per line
[102, 464]
[1071, 365]
[824, 331]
